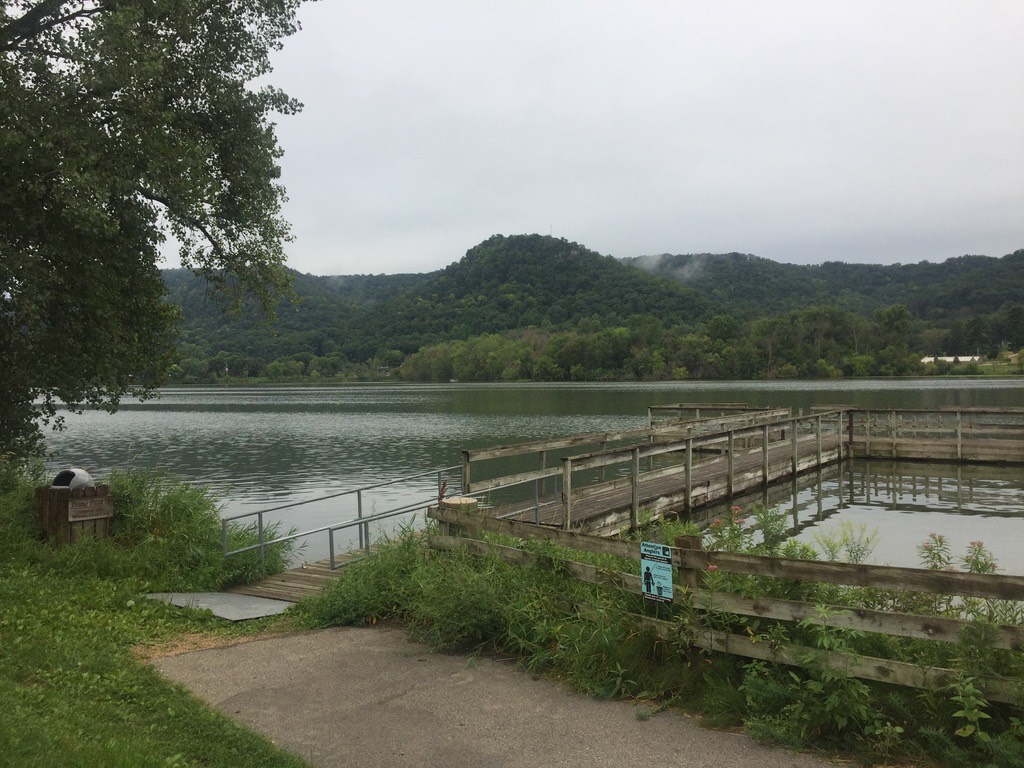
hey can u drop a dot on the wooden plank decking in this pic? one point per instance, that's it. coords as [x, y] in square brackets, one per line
[295, 584]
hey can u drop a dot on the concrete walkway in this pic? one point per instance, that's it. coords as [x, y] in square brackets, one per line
[369, 697]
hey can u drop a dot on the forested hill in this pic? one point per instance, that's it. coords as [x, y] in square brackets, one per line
[749, 285]
[544, 307]
[509, 283]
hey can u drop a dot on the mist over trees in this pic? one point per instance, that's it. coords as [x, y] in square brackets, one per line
[540, 308]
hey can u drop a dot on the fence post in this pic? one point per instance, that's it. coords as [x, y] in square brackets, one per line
[567, 492]
[259, 518]
[689, 577]
[359, 516]
[465, 471]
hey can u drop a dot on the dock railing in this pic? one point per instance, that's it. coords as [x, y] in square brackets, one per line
[987, 435]
[677, 458]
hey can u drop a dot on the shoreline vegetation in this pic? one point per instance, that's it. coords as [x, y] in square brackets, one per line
[75, 629]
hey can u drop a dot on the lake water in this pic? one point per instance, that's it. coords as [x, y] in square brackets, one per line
[267, 446]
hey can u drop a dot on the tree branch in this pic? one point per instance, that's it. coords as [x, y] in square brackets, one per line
[191, 221]
[39, 19]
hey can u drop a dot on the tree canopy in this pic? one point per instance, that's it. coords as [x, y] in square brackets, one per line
[124, 123]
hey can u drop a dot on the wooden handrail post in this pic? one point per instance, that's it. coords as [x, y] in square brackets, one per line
[793, 441]
[689, 476]
[732, 464]
[959, 436]
[764, 455]
[567, 493]
[817, 433]
[465, 471]
[689, 577]
[634, 509]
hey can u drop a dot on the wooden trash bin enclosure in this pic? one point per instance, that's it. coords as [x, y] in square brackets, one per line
[66, 514]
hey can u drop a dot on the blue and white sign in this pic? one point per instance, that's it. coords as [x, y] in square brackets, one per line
[656, 571]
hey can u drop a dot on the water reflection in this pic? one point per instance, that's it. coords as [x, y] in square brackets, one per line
[902, 503]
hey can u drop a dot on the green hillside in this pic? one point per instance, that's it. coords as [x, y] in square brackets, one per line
[532, 306]
[967, 284]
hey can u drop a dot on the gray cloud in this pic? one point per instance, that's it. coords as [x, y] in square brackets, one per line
[799, 131]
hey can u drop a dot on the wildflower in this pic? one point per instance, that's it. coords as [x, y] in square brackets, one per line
[716, 523]
[741, 520]
[734, 509]
[712, 568]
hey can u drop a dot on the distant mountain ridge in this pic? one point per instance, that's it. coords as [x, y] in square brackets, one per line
[511, 283]
[743, 282]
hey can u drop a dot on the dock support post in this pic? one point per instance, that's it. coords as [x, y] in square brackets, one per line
[817, 435]
[634, 508]
[959, 436]
[793, 442]
[892, 431]
[849, 439]
[764, 455]
[567, 493]
[868, 419]
[689, 476]
[732, 462]
[543, 466]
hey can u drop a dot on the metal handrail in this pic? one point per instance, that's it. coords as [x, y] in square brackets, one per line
[360, 520]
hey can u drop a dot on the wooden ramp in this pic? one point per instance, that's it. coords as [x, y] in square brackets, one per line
[295, 584]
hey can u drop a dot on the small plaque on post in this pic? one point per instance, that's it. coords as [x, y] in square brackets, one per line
[90, 508]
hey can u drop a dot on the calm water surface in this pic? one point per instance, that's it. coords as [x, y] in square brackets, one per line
[265, 446]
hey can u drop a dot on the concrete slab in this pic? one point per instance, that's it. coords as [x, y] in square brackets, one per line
[226, 605]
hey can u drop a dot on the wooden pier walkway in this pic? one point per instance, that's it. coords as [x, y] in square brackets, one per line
[607, 509]
[677, 465]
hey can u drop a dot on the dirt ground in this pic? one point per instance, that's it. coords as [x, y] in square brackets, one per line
[370, 697]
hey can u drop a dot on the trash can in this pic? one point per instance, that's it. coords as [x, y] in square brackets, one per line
[73, 506]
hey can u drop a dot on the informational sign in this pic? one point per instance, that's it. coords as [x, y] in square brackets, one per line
[93, 508]
[656, 571]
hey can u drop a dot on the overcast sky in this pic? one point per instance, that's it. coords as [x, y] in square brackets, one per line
[799, 131]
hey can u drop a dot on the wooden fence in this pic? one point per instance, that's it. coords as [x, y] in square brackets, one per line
[460, 526]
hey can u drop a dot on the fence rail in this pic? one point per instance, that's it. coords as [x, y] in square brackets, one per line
[460, 526]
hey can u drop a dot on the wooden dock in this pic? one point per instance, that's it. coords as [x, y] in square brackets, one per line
[701, 454]
[677, 465]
